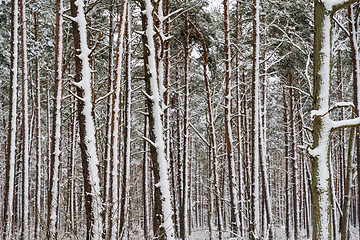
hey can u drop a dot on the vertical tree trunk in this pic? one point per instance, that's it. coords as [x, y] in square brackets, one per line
[344, 222]
[235, 222]
[56, 126]
[322, 127]
[293, 160]
[145, 186]
[255, 197]
[355, 57]
[115, 122]
[239, 124]
[266, 187]
[125, 188]
[286, 157]
[163, 213]
[38, 135]
[25, 124]
[11, 151]
[342, 157]
[89, 157]
[184, 231]
[107, 162]
[73, 143]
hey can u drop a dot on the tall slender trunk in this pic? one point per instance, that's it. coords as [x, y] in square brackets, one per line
[89, 159]
[163, 213]
[115, 120]
[342, 157]
[25, 123]
[264, 169]
[344, 222]
[286, 157]
[240, 139]
[56, 126]
[38, 135]
[11, 151]
[255, 197]
[184, 231]
[125, 188]
[107, 162]
[235, 221]
[293, 159]
[145, 187]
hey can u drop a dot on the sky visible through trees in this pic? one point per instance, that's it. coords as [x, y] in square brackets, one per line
[179, 119]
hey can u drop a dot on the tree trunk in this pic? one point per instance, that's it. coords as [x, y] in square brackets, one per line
[115, 122]
[293, 160]
[163, 213]
[11, 151]
[286, 157]
[125, 188]
[56, 126]
[235, 222]
[255, 196]
[88, 148]
[25, 124]
[184, 231]
[322, 126]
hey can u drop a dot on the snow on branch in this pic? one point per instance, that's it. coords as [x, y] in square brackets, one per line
[322, 112]
[335, 5]
[345, 123]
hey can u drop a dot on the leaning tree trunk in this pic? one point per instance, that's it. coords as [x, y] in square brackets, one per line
[89, 159]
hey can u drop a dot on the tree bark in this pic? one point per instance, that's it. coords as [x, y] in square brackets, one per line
[163, 213]
[56, 126]
[11, 137]
[235, 222]
[88, 148]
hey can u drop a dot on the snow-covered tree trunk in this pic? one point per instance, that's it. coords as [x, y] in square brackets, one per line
[286, 158]
[163, 213]
[184, 207]
[355, 55]
[264, 168]
[145, 177]
[90, 162]
[25, 123]
[344, 221]
[114, 152]
[125, 188]
[10, 157]
[107, 162]
[56, 133]
[293, 158]
[255, 196]
[38, 135]
[235, 221]
[322, 124]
